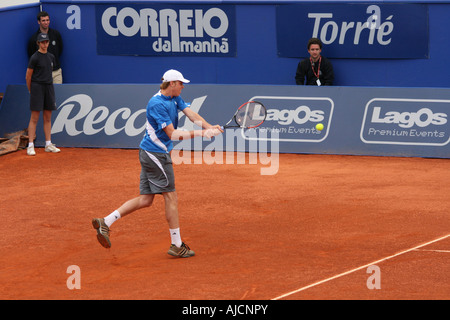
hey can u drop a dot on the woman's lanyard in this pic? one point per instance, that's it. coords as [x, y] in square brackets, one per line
[318, 70]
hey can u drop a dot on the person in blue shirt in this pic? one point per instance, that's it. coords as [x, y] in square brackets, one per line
[157, 176]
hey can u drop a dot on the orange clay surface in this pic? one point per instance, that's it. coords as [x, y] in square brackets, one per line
[256, 237]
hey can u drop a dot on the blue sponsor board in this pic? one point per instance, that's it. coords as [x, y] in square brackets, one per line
[394, 31]
[294, 119]
[166, 30]
[406, 122]
[357, 121]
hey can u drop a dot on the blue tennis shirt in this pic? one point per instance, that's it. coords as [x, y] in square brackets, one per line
[161, 112]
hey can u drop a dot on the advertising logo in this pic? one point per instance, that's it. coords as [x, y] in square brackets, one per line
[179, 30]
[77, 115]
[354, 30]
[406, 122]
[294, 119]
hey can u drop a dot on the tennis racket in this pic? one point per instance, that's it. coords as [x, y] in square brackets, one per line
[250, 115]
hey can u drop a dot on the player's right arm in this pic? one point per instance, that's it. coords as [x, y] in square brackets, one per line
[198, 119]
[176, 134]
[28, 78]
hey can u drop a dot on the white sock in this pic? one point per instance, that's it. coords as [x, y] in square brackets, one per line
[175, 236]
[30, 144]
[47, 143]
[113, 217]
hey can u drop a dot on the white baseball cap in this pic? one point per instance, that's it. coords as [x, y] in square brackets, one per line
[174, 75]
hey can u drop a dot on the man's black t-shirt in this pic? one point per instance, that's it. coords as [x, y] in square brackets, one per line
[308, 71]
[42, 65]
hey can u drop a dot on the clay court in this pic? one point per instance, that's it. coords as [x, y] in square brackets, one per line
[308, 232]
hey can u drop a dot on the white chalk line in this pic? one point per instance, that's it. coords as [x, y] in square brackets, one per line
[361, 267]
[439, 251]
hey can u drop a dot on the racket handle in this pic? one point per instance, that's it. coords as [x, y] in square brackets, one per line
[222, 127]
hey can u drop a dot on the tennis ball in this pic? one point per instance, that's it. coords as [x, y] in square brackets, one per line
[319, 126]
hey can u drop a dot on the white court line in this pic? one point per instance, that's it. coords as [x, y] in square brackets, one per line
[359, 268]
[441, 251]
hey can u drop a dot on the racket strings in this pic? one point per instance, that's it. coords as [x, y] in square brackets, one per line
[251, 114]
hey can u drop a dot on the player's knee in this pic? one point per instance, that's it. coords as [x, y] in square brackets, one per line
[171, 198]
[146, 200]
[34, 118]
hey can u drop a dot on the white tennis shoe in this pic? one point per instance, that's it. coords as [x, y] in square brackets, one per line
[30, 151]
[51, 148]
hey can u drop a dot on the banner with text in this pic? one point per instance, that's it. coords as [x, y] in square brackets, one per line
[166, 30]
[357, 120]
[394, 31]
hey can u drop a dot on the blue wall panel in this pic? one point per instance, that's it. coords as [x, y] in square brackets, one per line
[17, 24]
[257, 61]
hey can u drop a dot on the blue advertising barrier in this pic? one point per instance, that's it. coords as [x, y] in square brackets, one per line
[357, 120]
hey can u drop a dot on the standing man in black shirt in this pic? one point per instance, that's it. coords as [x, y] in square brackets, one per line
[42, 93]
[317, 69]
[55, 47]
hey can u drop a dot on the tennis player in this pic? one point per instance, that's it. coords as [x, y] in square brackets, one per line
[157, 175]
